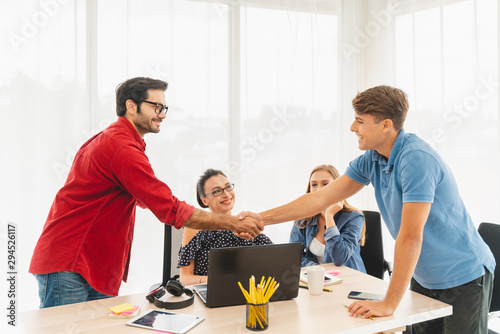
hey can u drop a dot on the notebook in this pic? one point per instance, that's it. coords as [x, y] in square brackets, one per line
[228, 266]
[329, 278]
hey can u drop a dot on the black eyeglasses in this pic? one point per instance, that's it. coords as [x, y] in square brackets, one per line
[159, 108]
[219, 192]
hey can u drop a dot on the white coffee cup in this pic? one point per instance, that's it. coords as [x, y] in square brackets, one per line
[315, 279]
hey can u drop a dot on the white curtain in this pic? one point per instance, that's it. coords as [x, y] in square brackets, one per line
[260, 89]
[447, 60]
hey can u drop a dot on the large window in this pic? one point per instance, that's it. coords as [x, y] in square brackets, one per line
[447, 59]
[289, 105]
[253, 91]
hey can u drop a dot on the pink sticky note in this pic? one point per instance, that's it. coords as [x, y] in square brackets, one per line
[121, 308]
[333, 272]
[129, 312]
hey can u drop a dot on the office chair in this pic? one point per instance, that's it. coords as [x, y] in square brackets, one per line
[491, 235]
[372, 252]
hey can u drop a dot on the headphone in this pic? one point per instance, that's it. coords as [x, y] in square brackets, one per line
[174, 287]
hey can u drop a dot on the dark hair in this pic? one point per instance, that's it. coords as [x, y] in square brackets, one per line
[383, 102]
[135, 89]
[200, 186]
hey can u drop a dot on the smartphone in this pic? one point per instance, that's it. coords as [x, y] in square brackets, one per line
[364, 296]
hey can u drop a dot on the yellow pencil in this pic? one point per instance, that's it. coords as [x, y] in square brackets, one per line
[258, 295]
[267, 284]
[270, 293]
[303, 286]
[245, 293]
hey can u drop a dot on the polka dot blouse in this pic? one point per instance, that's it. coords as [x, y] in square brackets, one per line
[198, 248]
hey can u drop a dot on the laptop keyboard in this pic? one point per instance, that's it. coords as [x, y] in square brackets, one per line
[203, 294]
[201, 290]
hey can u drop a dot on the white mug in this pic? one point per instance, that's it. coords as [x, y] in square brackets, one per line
[315, 279]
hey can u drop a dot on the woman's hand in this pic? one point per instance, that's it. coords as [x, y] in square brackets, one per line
[330, 211]
[333, 209]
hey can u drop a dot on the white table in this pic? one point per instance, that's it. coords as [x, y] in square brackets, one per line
[305, 314]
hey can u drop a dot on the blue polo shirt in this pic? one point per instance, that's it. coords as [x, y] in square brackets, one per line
[453, 253]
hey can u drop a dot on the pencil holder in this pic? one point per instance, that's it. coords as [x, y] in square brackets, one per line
[257, 316]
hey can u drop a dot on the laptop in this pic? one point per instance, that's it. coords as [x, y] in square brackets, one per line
[228, 266]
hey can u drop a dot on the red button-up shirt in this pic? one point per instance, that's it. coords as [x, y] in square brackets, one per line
[89, 229]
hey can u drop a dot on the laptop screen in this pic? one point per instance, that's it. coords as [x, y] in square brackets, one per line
[228, 266]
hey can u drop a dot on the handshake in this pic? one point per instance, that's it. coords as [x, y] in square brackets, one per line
[246, 225]
[249, 225]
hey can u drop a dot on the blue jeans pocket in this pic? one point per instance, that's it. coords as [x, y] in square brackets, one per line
[61, 288]
[42, 288]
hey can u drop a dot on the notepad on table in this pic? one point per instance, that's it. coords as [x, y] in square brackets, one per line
[124, 311]
[329, 278]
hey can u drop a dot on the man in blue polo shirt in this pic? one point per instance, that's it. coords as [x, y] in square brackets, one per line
[437, 246]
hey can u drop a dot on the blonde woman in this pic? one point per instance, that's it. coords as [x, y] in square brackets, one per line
[334, 235]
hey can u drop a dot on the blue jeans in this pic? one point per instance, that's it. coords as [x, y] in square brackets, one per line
[65, 287]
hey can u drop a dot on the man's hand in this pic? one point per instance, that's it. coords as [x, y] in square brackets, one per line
[406, 253]
[247, 227]
[249, 215]
[370, 308]
[256, 216]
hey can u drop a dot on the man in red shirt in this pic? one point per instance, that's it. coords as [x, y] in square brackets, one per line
[83, 251]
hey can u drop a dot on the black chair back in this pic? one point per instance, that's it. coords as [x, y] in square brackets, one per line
[491, 235]
[372, 252]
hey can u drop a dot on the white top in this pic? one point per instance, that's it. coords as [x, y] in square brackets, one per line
[318, 249]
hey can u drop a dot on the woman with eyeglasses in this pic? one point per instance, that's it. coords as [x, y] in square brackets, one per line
[216, 192]
[334, 235]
